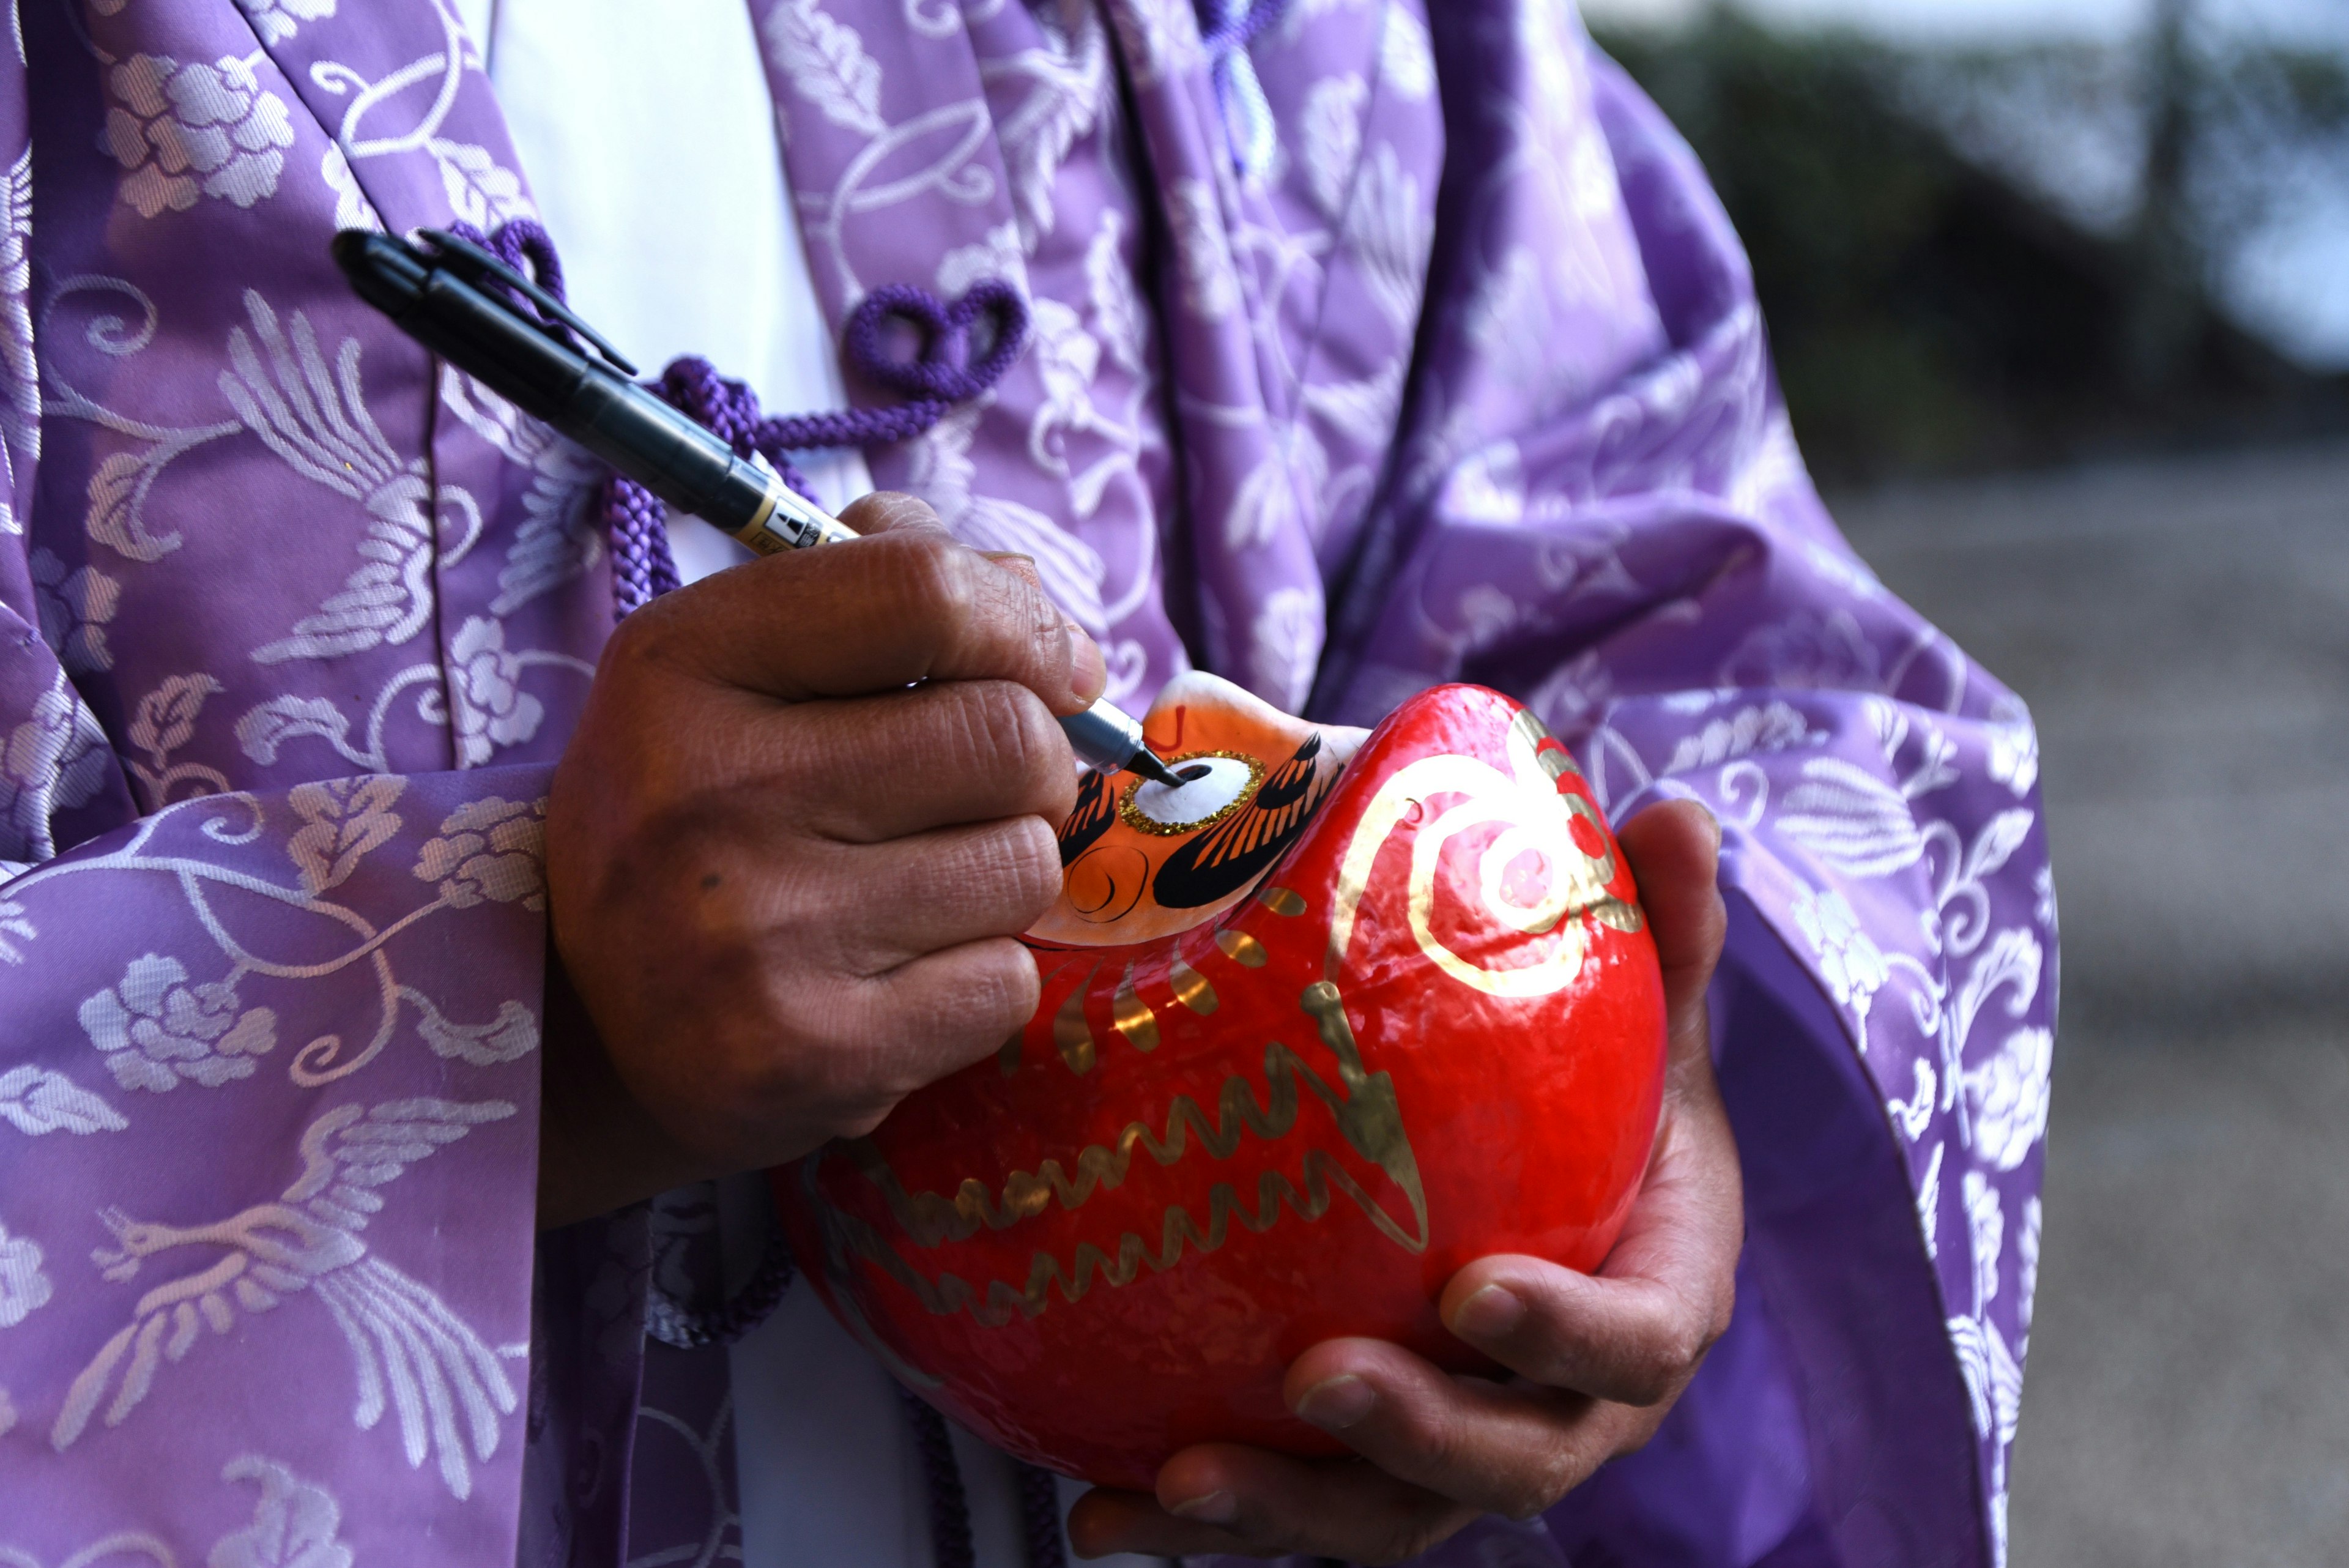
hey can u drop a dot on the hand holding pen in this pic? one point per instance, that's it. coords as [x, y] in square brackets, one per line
[809, 807]
[447, 296]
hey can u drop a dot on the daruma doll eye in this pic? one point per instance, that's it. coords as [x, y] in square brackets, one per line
[1337, 1014]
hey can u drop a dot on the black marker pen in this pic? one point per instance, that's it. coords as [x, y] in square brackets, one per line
[434, 296]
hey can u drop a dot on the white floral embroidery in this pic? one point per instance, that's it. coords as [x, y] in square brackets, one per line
[278, 20]
[827, 65]
[2013, 746]
[1285, 646]
[484, 688]
[995, 255]
[1986, 1229]
[295, 1522]
[345, 819]
[20, 378]
[35, 1100]
[352, 209]
[164, 722]
[2027, 1274]
[1389, 231]
[1851, 819]
[1809, 651]
[1211, 288]
[1929, 1201]
[2009, 1096]
[1119, 318]
[510, 1036]
[1570, 701]
[1329, 135]
[14, 926]
[1993, 1381]
[1264, 506]
[1772, 727]
[316, 420]
[185, 130]
[1488, 485]
[157, 1030]
[1069, 87]
[490, 850]
[76, 607]
[1406, 63]
[2043, 890]
[1849, 962]
[411, 1354]
[23, 1288]
[55, 759]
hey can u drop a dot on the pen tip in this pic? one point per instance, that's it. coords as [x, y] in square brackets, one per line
[1145, 762]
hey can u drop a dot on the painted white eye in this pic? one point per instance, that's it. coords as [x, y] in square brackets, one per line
[1165, 809]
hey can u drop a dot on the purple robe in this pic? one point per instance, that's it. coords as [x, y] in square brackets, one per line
[1398, 349]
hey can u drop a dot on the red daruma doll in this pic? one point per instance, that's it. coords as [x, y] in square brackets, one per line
[1333, 1018]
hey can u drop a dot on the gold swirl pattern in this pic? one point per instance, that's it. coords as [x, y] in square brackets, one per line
[1537, 817]
[1363, 1103]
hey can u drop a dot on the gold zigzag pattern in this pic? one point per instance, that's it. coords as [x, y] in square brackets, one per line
[1363, 1105]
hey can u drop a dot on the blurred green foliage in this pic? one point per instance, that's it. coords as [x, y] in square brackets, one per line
[1926, 312]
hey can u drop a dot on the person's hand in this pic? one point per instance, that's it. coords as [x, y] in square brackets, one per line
[784, 879]
[1598, 1360]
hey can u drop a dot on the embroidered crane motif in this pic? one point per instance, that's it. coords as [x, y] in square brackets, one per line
[412, 1353]
[317, 419]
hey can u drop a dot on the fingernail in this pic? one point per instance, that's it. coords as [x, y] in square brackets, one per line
[1088, 675]
[1490, 1313]
[1339, 1403]
[1207, 1508]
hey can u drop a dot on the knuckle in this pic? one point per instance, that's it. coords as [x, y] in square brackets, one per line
[934, 580]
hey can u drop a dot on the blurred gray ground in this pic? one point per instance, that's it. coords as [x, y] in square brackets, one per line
[2181, 628]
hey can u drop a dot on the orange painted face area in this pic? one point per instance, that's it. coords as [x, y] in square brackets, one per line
[1140, 860]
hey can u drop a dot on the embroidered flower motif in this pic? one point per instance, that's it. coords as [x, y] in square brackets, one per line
[1986, 1224]
[278, 20]
[156, 1029]
[491, 709]
[1849, 961]
[490, 850]
[2009, 1095]
[14, 927]
[185, 130]
[1774, 728]
[76, 609]
[1203, 257]
[2026, 1247]
[23, 1287]
[2013, 747]
[1287, 640]
[2043, 890]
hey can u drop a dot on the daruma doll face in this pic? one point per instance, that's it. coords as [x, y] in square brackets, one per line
[1316, 1029]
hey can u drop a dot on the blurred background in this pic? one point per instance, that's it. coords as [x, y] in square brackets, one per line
[2059, 293]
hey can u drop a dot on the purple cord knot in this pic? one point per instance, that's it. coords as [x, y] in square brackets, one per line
[526, 246]
[940, 374]
[941, 369]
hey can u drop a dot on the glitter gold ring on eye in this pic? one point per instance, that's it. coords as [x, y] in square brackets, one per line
[1134, 817]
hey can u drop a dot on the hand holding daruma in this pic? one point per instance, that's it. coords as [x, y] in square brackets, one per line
[1318, 1029]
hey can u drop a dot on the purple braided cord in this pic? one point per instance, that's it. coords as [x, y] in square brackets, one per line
[1226, 24]
[1040, 1519]
[950, 1542]
[752, 1305]
[939, 374]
